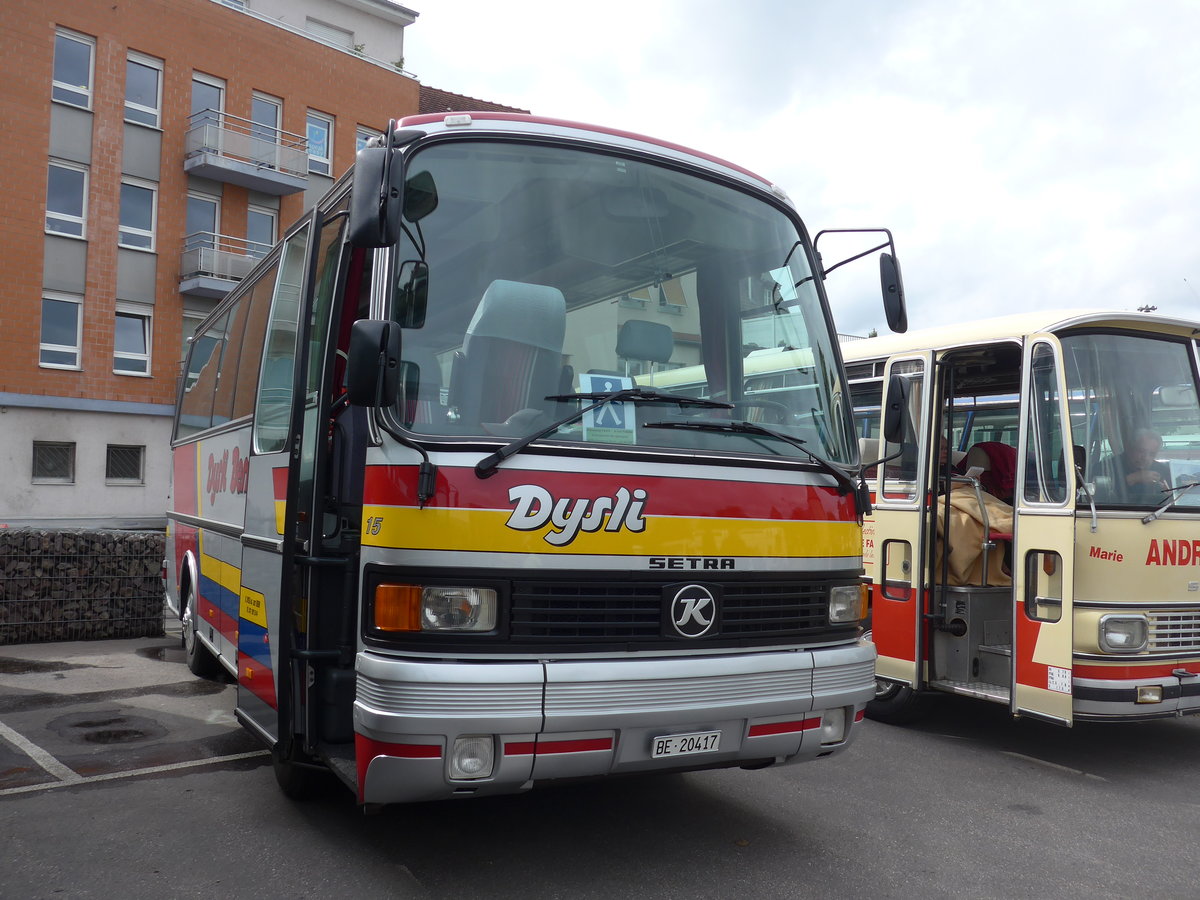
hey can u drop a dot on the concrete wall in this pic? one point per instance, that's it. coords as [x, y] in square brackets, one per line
[376, 27]
[89, 498]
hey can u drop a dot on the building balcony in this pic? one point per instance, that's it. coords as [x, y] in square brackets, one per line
[237, 151]
[213, 264]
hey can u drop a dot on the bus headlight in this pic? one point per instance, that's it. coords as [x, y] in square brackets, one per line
[472, 756]
[847, 603]
[1124, 633]
[441, 608]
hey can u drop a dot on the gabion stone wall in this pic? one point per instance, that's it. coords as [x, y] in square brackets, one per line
[79, 585]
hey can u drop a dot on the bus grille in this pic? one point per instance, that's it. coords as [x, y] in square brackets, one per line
[632, 611]
[1175, 632]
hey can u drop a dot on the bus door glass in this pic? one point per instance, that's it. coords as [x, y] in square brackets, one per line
[1043, 553]
[898, 537]
[265, 541]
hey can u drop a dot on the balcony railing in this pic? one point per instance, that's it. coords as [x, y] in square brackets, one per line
[236, 150]
[211, 264]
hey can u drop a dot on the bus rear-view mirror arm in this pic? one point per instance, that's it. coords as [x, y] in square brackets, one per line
[890, 281]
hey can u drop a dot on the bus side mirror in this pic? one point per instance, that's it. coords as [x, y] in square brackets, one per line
[895, 414]
[373, 366]
[893, 293]
[375, 198]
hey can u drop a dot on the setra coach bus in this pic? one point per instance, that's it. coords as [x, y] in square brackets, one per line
[1070, 443]
[431, 513]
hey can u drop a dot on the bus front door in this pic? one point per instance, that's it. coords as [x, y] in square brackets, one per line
[1043, 557]
[896, 532]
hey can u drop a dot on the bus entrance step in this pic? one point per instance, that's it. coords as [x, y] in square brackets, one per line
[997, 693]
[998, 649]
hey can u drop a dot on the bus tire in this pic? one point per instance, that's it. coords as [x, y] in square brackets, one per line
[896, 704]
[298, 777]
[200, 661]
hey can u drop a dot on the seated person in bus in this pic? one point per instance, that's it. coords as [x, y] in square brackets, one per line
[1140, 477]
[999, 464]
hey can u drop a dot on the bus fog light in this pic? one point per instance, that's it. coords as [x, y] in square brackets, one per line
[1123, 634]
[1149, 693]
[458, 609]
[833, 726]
[848, 603]
[473, 756]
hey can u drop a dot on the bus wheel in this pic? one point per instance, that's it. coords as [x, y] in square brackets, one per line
[297, 776]
[200, 661]
[896, 704]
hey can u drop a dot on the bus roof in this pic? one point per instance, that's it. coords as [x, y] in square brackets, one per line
[1014, 326]
[522, 122]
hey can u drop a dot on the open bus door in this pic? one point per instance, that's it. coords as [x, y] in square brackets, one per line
[1044, 535]
[897, 532]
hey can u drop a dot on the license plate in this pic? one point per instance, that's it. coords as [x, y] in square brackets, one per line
[683, 744]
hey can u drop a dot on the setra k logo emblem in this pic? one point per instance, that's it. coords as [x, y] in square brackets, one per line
[693, 611]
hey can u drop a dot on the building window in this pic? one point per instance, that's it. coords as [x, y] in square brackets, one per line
[208, 104]
[203, 221]
[260, 231]
[125, 464]
[61, 315]
[53, 463]
[320, 144]
[131, 340]
[66, 199]
[137, 214]
[73, 69]
[143, 89]
[331, 34]
[361, 136]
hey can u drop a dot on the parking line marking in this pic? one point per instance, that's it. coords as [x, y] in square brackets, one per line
[1051, 765]
[132, 773]
[64, 774]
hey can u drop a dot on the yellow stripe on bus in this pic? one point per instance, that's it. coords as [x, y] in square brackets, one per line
[485, 530]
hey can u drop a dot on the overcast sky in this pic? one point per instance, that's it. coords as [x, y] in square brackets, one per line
[1026, 155]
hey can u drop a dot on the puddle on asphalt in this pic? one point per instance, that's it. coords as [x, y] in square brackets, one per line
[10, 665]
[106, 727]
[165, 653]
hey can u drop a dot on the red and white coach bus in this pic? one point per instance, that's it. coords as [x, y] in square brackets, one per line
[1075, 594]
[430, 511]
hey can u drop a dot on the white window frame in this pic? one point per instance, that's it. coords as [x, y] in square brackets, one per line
[150, 62]
[85, 90]
[45, 479]
[215, 200]
[257, 250]
[141, 476]
[135, 231]
[362, 135]
[320, 165]
[80, 220]
[146, 314]
[77, 349]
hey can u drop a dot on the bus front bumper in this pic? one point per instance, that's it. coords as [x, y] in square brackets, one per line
[583, 718]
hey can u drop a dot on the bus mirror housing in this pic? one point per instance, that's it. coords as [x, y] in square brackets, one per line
[895, 414]
[377, 192]
[420, 196]
[893, 293]
[373, 366]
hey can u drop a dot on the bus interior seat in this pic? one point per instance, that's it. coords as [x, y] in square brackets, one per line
[511, 358]
[999, 464]
[646, 341]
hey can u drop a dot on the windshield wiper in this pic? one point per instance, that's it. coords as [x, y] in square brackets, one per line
[1172, 499]
[846, 485]
[486, 467]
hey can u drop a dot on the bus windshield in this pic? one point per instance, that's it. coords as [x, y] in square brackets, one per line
[1135, 419]
[554, 271]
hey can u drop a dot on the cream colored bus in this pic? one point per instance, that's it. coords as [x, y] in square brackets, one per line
[1070, 444]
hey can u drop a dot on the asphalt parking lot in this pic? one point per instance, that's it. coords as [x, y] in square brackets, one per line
[73, 713]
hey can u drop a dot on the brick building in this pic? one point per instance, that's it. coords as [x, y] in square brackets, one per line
[152, 151]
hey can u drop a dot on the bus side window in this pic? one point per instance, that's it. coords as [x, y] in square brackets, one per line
[273, 406]
[200, 380]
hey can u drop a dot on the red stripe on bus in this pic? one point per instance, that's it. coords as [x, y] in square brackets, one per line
[460, 488]
[586, 745]
[1132, 673]
[784, 727]
[520, 748]
[257, 679]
